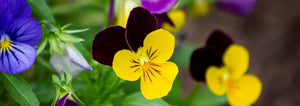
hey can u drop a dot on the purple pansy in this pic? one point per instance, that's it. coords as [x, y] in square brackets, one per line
[210, 54]
[64, 101]
[239, 7]
[158, 6]
[19, 33]
[109, 41]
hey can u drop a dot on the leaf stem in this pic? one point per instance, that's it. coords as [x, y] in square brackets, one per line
[193, 93]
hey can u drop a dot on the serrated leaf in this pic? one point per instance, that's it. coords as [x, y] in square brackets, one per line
[41, 9]
[137, 99]
[20, 90]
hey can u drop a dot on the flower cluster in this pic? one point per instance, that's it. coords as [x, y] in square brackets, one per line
[19, 33]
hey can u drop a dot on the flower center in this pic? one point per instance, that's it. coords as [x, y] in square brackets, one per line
[5, 43]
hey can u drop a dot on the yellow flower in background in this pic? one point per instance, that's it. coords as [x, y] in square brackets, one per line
[150, 63]
[200, 8]
[178, 18]
[241, 89]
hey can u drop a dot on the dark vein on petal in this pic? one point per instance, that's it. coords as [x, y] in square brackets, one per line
[152, 54]
[156, 70]
[136, 70]
[134, 66]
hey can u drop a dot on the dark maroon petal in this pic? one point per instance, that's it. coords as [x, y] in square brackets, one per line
[140, 23]
[201, 59]
[219, 40]
[70, 102]
[161, 18]
[107, 42]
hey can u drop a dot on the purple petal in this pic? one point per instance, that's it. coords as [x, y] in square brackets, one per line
[71, 103]
[201, 59]
[219, 40]
[17, 59]
[62, 101]
[239, 7]
[161, 18]
[158, 6]
[6, 15]
[26, 30]
[111, 10]
[20, 8]
[140, 23]
[108, 42]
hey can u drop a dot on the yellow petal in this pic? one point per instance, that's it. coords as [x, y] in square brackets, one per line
[216, 80]
[124, 10]
[244, 91]
[157, 80]
[236, 59]
[178, 18]
[158, 46]
[126, 65]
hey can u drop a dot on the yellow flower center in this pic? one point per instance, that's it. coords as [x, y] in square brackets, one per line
[5, 44]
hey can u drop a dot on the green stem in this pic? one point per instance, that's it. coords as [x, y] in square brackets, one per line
[194, 93]
[77, 99]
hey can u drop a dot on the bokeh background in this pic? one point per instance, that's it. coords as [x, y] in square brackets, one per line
[271, 34]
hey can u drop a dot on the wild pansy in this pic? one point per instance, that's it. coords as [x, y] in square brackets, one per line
[239, 7]
[19, 33]
[66, 100]
[224, 65]
[139, 51]
[177, 17]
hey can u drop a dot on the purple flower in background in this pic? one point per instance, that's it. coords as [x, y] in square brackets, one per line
[158, 6]
[65, 101]
[239, 7]
[19, 33]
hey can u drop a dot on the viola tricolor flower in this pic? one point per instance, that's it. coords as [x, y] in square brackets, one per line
[177, 17]
[66, 101]
[225, 68]
[19, 33]
[139, 51]
[239, 7]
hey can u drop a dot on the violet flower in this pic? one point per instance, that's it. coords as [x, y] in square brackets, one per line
[19, 33]
[239, 7]
[65, 101]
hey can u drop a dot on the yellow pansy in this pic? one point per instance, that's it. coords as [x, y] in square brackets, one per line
[178, 18]
[150, 63]
[230, 79]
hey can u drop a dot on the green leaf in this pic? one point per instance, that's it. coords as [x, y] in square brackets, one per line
[137, 99]
[41, 9]
[207, 98]
[69, 38]
[174, 96]
[43, 90]
[19, 89]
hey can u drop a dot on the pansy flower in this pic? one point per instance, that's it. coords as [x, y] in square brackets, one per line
[66, 100]
[19, 33]
[139, 51]
[239, 7]
[225, 68]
